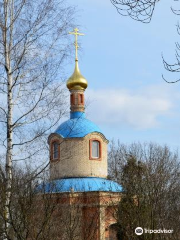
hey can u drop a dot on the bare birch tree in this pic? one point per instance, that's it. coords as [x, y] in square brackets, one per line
[31, 214]
[33, 47]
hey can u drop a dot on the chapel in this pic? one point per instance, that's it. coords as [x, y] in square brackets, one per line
[79, 168]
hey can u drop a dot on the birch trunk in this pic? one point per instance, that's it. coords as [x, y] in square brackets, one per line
[8, 155]
[8, 10]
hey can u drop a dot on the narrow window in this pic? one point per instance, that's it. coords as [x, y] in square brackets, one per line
[55, 149]
[81, 99]
[72, 99]
[95, 149]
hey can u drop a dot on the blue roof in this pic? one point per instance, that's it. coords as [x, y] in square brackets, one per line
[77, 126]
[88, 184]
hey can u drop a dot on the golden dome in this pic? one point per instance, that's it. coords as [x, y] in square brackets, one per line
[77, 81]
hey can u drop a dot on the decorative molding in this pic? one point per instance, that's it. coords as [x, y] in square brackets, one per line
[53, 135]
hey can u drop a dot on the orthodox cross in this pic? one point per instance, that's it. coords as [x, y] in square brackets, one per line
[76, 33]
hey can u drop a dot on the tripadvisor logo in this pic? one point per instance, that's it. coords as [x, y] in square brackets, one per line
[139, 231]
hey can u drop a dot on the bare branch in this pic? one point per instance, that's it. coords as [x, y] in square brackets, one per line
[139, 10]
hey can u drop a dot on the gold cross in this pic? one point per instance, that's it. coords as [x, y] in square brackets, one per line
[76, 33]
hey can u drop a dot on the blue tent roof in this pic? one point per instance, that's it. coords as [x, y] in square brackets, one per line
[77, 126]
[88, 184]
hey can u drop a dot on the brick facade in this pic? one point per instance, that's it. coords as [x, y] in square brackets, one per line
[83, 216]
[75, 160]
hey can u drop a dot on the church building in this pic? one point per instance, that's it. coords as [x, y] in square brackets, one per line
[79, 169]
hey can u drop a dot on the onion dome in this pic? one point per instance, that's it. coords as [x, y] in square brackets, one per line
[77, 126]
[77, 81]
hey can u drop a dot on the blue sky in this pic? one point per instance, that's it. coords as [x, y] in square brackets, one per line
[121, 59]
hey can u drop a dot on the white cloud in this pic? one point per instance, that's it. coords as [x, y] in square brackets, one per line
[140, 109]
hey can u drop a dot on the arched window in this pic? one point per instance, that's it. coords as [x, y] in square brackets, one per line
[55, 150]
[95, 149]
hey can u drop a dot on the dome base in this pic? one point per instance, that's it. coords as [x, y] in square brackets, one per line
[89, 184]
